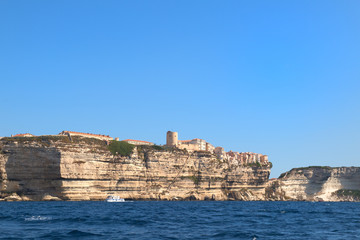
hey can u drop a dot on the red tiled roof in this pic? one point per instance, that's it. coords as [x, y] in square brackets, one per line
[185, 140]
[127, 140]
[22, 134]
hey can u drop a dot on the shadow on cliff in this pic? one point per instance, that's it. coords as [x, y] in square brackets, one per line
[34, 172]
[349, 177]
[317, 178]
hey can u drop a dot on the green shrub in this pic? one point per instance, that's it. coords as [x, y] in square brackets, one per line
[195, 179]
[348, 193]
[255, 164]
[46, 140]
[158, 148]
[87, 140]
[43, 140]
[122, 148]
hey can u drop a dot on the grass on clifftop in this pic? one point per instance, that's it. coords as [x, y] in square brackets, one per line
[311, 167]
[121, 148]
[305, 168]
[43, 140]
[46, 140]
[348, 193]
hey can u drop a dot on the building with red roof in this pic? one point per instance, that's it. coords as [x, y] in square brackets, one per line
[23, 135]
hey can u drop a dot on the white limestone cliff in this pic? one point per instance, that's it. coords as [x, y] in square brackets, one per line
[317, 184]
[55, 168]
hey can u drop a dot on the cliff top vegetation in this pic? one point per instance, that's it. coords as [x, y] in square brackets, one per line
[305, 168]
[348, 193]
[121, 148]
[48, 139]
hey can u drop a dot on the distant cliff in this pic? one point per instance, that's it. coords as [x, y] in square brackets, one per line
[316, 184]
[60, 168]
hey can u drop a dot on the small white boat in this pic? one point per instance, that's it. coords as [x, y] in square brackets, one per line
[114, 199]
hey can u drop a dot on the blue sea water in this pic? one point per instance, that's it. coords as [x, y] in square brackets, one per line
[179, 220]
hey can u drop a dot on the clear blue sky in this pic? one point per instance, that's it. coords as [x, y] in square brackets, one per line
[275, 77]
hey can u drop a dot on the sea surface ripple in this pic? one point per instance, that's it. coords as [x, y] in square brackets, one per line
[179, 220]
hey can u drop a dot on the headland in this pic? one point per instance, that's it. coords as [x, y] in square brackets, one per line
[76, 166]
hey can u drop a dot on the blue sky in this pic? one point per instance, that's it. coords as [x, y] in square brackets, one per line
[275, 77]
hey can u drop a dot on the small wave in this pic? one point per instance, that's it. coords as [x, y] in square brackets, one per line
[137, 222]
[78, 233]
[38, 218]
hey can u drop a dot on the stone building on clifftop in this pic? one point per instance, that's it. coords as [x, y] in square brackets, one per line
[138, 142]
[195, 144]
[23, 135]
[89, 135]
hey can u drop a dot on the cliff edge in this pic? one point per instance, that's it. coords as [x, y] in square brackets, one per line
[77, 168]
[316, 184]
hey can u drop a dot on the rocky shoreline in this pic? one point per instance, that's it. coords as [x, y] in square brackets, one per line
[55, 168]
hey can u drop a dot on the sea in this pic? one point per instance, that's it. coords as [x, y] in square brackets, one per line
[180, 220]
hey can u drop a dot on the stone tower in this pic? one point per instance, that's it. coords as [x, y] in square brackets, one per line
[171, 138]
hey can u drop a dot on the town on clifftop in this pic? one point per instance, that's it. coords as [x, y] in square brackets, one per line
[172, 140]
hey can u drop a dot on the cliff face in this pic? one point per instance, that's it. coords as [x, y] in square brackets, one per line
[53, 168]
[317, 184]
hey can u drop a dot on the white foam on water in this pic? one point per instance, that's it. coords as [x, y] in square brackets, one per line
[38, 218]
